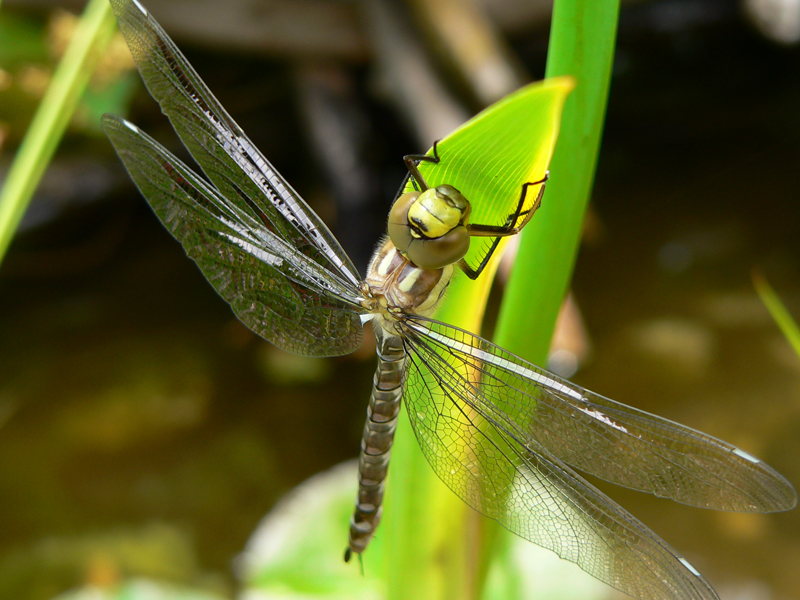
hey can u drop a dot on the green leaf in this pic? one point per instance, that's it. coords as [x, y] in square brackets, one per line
[297, 549]
[489, 169]
[138, 589]
[582, 40]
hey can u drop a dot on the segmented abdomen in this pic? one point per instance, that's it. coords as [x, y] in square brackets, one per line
[376, 444]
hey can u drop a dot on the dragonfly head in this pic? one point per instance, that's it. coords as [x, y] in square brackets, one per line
[429, 227]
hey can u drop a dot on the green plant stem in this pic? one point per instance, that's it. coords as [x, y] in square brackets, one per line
[432, 541]
[428, 538]
[69, 82]
[582, 45]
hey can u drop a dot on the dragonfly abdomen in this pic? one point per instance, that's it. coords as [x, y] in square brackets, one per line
[376, 443]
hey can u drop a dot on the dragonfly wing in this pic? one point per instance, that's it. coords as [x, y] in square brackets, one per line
[524, 487]
[280, 293]
[610, 440]
[230, 160]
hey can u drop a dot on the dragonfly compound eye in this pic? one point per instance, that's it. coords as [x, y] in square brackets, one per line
[428, 227]
[438, 210]
[399, 229]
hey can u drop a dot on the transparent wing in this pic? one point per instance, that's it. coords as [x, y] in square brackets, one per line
[499, 432]
[235, 166]
[610, 440]
[279, 292]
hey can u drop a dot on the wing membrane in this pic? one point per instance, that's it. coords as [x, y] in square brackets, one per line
[499, 432]
[274, 289]
[610, 440]
[236, 167]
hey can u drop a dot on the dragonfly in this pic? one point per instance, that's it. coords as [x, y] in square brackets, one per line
[505, 435]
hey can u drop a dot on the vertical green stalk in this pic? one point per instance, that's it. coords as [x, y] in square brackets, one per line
[432, 540]
[582, 40]
[51, 119]
[427, 541]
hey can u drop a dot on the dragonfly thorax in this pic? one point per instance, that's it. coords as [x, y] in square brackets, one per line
[397, 284]
[430, 227]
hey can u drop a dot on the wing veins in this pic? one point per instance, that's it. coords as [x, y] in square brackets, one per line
[469, 420]
[164, 68]
[639, 450]
[611, 526]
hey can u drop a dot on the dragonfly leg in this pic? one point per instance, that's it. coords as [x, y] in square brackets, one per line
[509, 227]
[469, 271]
[475, 273]
[412, 160]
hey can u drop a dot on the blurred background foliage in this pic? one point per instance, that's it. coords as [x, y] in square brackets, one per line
[144, 432]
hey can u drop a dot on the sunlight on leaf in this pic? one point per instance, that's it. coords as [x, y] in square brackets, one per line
[297, 549]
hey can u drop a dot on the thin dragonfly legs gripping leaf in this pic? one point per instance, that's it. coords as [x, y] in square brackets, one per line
[409, 222]
[503, 434]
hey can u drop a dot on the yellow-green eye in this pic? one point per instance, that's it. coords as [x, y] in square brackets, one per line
[438, 210]
[398, 227]
[421, 247]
